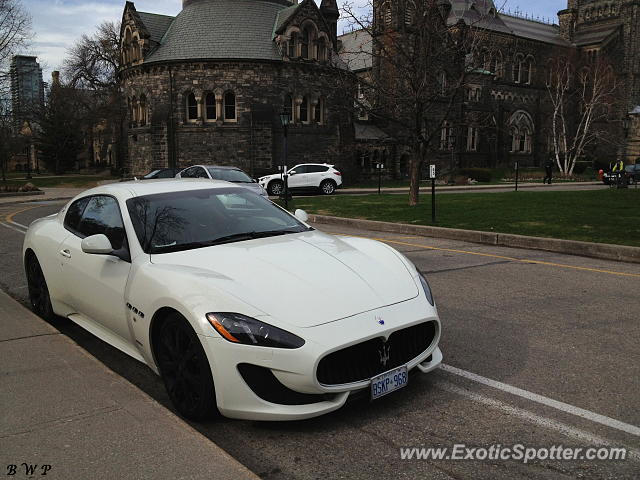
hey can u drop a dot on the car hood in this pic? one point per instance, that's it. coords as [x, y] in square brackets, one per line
[254, 187]
[304, 279]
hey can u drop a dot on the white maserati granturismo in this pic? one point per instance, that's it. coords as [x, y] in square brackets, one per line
[240, 307]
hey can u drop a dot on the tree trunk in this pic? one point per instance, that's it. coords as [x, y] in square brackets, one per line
[414, 190]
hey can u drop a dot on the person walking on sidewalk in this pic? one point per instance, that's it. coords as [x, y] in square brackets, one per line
[548, 169]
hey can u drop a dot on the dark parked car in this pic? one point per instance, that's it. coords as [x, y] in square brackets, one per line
[632, 173]
[162, 173]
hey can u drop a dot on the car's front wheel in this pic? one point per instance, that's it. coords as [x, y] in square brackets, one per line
[185, 370]
[38, 291]
[328, 187]
[275, 187]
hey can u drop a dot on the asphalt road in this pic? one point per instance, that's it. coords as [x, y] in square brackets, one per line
[560, 334]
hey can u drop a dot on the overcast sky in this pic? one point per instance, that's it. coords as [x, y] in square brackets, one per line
[57, 23]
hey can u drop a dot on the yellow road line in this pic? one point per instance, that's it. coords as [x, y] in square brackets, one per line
[9, 217]
[519, 260]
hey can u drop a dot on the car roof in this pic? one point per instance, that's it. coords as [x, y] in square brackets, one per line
[221, 167]
[136, 188]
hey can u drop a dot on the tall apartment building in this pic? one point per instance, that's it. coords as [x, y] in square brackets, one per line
[27, 89]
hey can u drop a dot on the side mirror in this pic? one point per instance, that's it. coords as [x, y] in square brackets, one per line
[301, 215]
[292, 172]
[97, 245]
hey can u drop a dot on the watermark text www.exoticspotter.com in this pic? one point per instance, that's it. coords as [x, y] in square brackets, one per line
[518, 452]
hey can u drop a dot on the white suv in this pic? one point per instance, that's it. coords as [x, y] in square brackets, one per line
[305, 176]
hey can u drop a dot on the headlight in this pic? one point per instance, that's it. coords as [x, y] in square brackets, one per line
[237, 328]
[427, 289]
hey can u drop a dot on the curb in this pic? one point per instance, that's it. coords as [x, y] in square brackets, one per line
[20, 194]
[604, 251]
[466, 188]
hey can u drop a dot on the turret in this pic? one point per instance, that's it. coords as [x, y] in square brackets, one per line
[331, 13]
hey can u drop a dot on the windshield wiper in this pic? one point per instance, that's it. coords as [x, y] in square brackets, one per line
[236, 237]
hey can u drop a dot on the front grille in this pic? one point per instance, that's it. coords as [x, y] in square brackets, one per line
[362, 361]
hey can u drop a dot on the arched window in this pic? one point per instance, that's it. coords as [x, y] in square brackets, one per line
[304, 110]
[142, 107]
[409, 12]
[442, 83]
[192, 107]
[126, 47]
[322, 49]
[521, 129]
[517, 68]
[527, 70]
[319, 112]
[386, 17]
[210, 113]
[288, 106]
[293, 45]
[229, 106]
[447, 137]
[306, 47]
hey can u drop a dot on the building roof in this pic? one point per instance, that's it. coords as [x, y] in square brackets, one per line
[356, 50]
[221, 29]
[283, 16]
[157, 25]
[534, 30]
[594, 35]
[484, 14]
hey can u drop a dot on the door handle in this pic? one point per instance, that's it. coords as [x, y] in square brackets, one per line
[65, 253]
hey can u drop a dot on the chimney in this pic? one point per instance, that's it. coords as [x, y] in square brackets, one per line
[331, 13]
[55, 78]
[567, 19]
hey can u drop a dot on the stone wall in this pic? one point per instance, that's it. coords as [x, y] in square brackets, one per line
[254, 141]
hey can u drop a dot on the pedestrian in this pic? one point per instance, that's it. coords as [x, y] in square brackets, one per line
[548, 169]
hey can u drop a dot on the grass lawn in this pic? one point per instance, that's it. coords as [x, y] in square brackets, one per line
[72, 181]
[603, 216]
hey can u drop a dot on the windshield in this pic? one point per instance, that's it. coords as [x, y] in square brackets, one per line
[176, 221]
[228, 175]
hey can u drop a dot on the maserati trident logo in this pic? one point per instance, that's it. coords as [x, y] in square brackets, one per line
[384, 354]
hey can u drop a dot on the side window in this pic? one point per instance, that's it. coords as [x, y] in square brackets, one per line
[74, 214]
[102, 215]
[317, 169]
[189, 173]
[301, 169]
[200, 173]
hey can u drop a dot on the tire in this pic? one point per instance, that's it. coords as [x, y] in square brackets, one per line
[328, 187]
[185, 370]
[39, 298]
[275, 188]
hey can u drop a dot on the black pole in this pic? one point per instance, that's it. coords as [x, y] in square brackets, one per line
[29, 164]
[284, 171]
[433, 200]
[379, 179]
[517, 172]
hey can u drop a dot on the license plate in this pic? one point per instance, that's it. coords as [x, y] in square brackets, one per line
[389, 382]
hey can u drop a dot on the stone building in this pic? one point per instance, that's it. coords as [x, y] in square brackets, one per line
[209, 85]
[504, 113]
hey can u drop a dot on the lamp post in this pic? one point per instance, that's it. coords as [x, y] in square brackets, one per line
[285, 118]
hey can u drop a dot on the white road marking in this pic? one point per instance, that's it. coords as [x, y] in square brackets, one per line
[564, 429]
[18, 224]
[15, 229]
[534, 397]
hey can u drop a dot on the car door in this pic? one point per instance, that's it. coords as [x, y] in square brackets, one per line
[299, 180]
[317, 173]
[95, 284]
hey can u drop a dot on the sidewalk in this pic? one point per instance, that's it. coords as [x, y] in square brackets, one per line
[426, 188]
[49, 194]
[65, 412]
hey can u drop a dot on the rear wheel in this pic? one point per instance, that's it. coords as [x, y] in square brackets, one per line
[185, 370]
[328, 187]
[275, 187]
[38, 291]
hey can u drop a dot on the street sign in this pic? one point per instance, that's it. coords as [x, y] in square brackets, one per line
[432, 172]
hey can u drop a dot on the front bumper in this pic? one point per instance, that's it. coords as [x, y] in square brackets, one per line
[295, 370]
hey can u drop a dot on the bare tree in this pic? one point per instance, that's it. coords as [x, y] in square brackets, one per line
[15, 32]
[92, 65]
[419, 72]
[584, 93]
